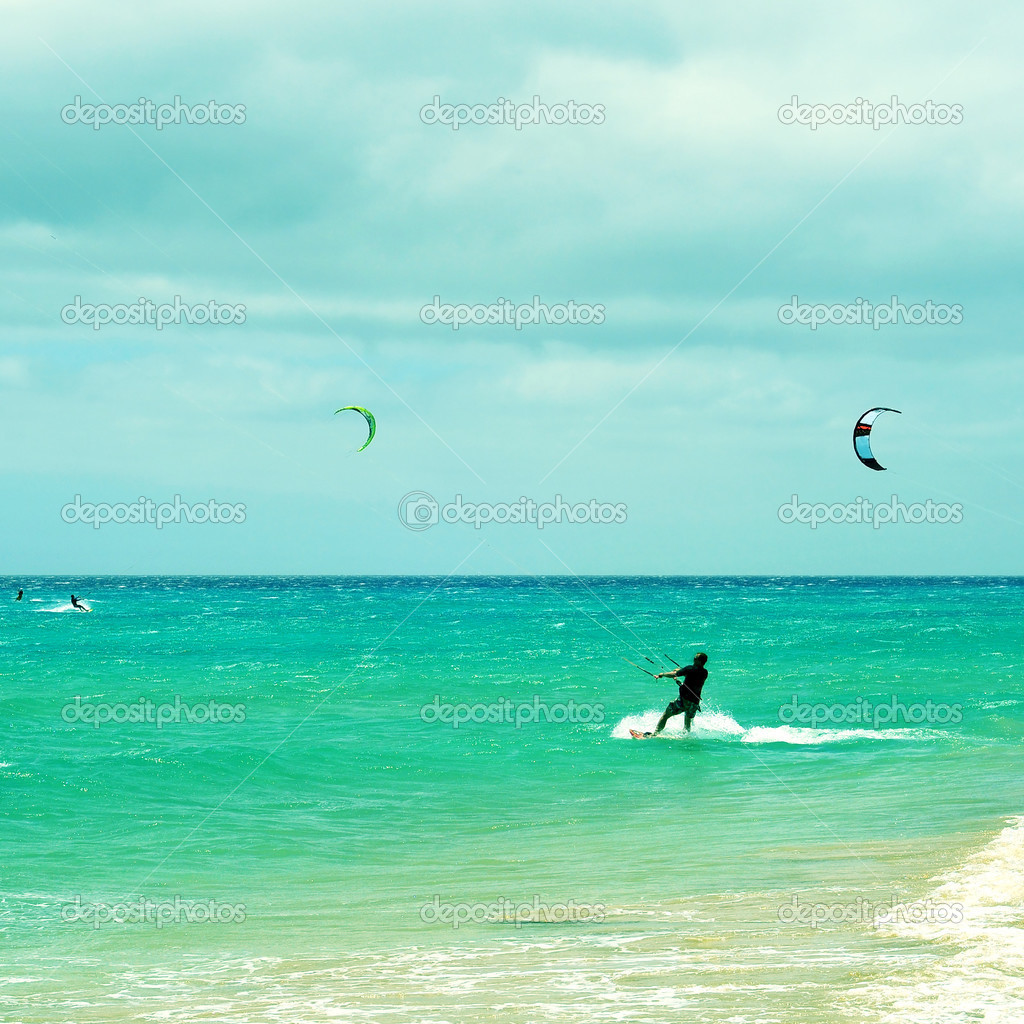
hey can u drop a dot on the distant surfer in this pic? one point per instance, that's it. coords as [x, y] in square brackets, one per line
[691, 682]
[75, 603]
[20, 593]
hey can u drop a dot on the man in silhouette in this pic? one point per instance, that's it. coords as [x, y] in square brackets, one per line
[691, 682]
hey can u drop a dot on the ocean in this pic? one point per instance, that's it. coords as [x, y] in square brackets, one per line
[405, 800]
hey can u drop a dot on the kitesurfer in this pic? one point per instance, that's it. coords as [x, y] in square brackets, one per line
[20, 593]
[75, 603]
[691, 682]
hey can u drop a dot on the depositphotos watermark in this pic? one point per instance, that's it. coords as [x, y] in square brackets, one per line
[144, 710]
[510, 712]
[145, 111]
[145, 311]
[504, 911]
[145, 510]
[862, 911]
[865, 712]
[864, 511]
[863, 312]
[509, 112]
[862, 111]
[158, 912]
[506, 312]
[418, 511]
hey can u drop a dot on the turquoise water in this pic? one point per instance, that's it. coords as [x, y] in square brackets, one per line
[327, 814]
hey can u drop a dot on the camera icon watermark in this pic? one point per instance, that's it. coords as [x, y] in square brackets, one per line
[867, 912]
[505, 911]
[155, 912]
[419, 510]
[864, 511]
[865, 712]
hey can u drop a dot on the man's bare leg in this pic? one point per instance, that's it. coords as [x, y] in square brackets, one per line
[661, 721]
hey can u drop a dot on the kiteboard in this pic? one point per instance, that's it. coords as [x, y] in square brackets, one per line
[640, 735]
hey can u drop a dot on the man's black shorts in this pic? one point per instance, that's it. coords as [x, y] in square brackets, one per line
[681, 706]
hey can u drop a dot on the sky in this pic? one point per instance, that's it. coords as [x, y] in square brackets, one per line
[685, 215]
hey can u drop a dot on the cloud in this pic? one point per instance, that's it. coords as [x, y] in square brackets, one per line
[692, 213]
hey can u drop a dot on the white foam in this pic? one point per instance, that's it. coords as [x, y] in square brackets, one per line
[721, 725]
[813, 737]
[711, 725]
[642, 723]
[990, 889]
[976, 916]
